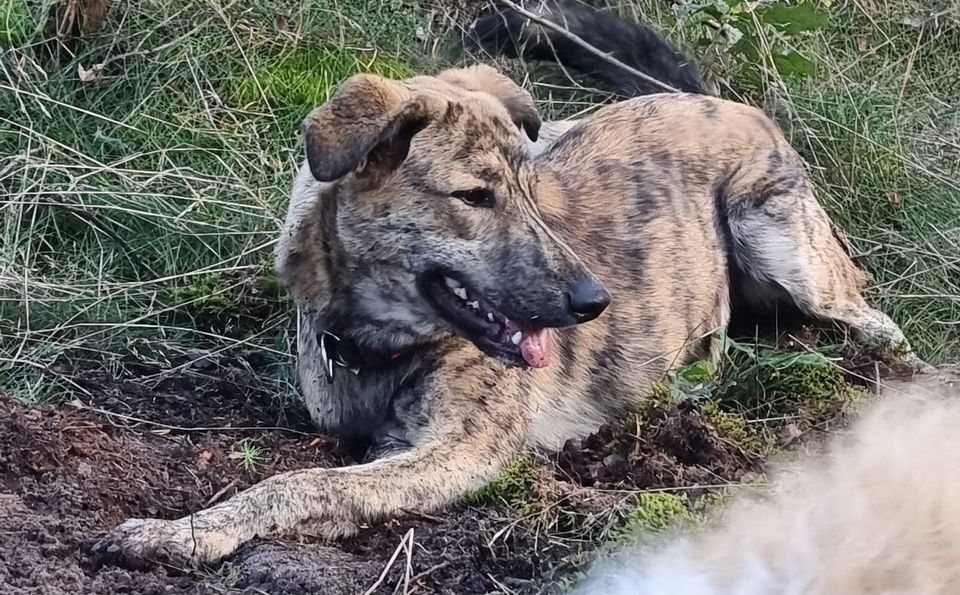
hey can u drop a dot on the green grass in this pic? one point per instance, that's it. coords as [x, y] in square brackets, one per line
[139, 209]
[881, 125]
[293, 84]
[141, 202]
[16, 23]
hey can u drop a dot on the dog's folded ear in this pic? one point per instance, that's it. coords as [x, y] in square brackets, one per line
[486, 79]
[367, 125]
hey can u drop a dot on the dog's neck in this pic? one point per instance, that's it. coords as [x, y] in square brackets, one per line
[351, 342]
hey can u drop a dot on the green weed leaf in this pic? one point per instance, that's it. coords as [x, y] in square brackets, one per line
[792, 20]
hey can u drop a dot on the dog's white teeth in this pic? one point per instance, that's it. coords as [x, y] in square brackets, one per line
[474, 305]
[460, 293]
[517, 336]
[490, 316]
[451, 283]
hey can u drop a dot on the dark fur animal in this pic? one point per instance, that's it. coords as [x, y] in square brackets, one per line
[453, 277]
[509, 33]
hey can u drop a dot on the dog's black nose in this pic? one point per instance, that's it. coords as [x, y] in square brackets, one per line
[588, 298]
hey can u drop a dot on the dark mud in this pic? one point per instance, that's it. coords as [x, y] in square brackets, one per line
[673, 447]
[152, 444]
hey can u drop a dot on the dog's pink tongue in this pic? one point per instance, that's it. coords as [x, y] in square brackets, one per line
[535, 347]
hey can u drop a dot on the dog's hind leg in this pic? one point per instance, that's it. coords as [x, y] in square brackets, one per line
[783, 243]
[465, 440]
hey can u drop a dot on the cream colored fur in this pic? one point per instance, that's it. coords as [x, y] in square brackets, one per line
[878, 513]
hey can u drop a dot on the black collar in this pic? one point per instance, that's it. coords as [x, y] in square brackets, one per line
[338, 351]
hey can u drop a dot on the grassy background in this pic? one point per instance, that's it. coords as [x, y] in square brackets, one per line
[139, 208]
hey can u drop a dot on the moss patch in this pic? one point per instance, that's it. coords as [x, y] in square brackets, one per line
[656, 511]
[515, 487]
[763, 381]
[205, 294]
[306, 77]
[733, 427]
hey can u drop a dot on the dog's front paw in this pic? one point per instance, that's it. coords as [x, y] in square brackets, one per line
[140, 541]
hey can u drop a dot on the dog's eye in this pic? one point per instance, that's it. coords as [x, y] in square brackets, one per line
[475, 197]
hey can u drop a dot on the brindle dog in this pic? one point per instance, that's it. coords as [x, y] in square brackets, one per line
[465, 293]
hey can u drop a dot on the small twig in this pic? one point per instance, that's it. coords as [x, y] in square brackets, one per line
[586, 45]
[506, 590]
[422, 515]
[78, 404]
[429, 571]
[909, 69]
[396, 554]
[193, 536]
[868, 252]
[220, 493]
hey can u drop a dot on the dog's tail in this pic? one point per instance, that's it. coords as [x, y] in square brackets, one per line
[504, 31]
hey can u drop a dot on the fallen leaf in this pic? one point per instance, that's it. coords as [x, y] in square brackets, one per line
[790, 434]
[915, 21]
[43, 467]
[894, 198]
[88, 76]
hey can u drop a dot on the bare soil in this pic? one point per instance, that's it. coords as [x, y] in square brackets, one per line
[147, 447]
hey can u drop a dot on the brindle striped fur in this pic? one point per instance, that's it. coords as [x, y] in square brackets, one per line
[660, 197]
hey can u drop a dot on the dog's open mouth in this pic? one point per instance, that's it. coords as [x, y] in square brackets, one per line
[490, 330]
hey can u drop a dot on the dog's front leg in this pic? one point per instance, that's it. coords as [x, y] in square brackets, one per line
[466, 441]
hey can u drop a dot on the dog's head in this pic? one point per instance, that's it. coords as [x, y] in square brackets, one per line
[428, 222]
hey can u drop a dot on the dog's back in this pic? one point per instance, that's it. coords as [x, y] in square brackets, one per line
[878, 514]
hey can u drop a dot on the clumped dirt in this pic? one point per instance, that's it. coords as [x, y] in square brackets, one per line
[673, 446]
[67, 474]
[71, 471]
